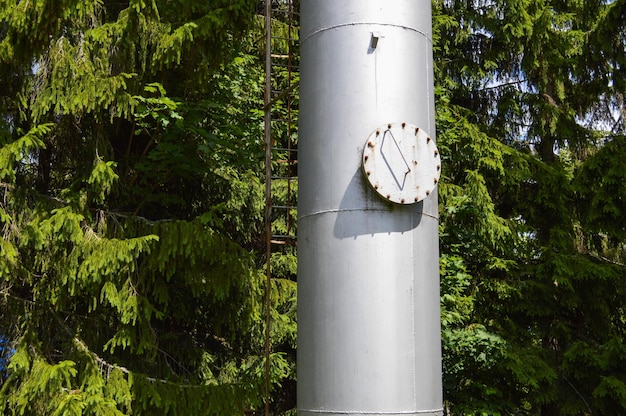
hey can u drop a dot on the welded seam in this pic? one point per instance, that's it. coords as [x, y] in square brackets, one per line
[318, 31]
[360, 412]
[413, 339]
[331, 211]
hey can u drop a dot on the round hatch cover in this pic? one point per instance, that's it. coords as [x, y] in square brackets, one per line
[401, 162]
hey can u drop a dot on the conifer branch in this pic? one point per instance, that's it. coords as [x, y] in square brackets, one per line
[578, 394]
[504, 84]
[102, 363]
[133, 216]
[112, 214]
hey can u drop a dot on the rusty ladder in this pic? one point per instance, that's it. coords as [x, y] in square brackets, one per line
[281, 154]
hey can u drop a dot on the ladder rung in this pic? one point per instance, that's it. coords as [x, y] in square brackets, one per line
[285, 65]
[282, 243]
[288, 178]
[292, 66]
[283, 121]
[280, 117]
[280, 92]
[284, 149]
[286, 38]
[285, 206]
[288, 240]
[283, 11]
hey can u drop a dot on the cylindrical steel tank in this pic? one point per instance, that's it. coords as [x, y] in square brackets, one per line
[368, 269]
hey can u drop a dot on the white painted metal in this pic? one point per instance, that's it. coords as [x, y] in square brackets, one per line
[368, 286]
[401, 162]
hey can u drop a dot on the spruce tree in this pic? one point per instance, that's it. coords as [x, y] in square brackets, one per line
[129, 158]
[530, 118]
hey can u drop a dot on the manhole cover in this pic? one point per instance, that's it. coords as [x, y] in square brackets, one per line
[401, 162]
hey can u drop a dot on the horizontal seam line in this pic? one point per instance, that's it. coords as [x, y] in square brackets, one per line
[318, 31]
[357, 412]
[329, 211]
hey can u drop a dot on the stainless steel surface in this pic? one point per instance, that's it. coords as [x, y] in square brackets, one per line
[368, 274]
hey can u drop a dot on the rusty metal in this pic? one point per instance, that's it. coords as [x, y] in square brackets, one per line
[271, 98]
[398, 163]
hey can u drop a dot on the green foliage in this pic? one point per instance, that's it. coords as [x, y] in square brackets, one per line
[468, 348]
[531, 224]
[599, 186]
[133, 261]
[100, 388]
[20, 149]
[130, 209]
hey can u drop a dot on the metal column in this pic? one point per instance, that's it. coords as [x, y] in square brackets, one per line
[368, 272]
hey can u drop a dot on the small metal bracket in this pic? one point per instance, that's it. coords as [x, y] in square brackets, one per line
[374, 40]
